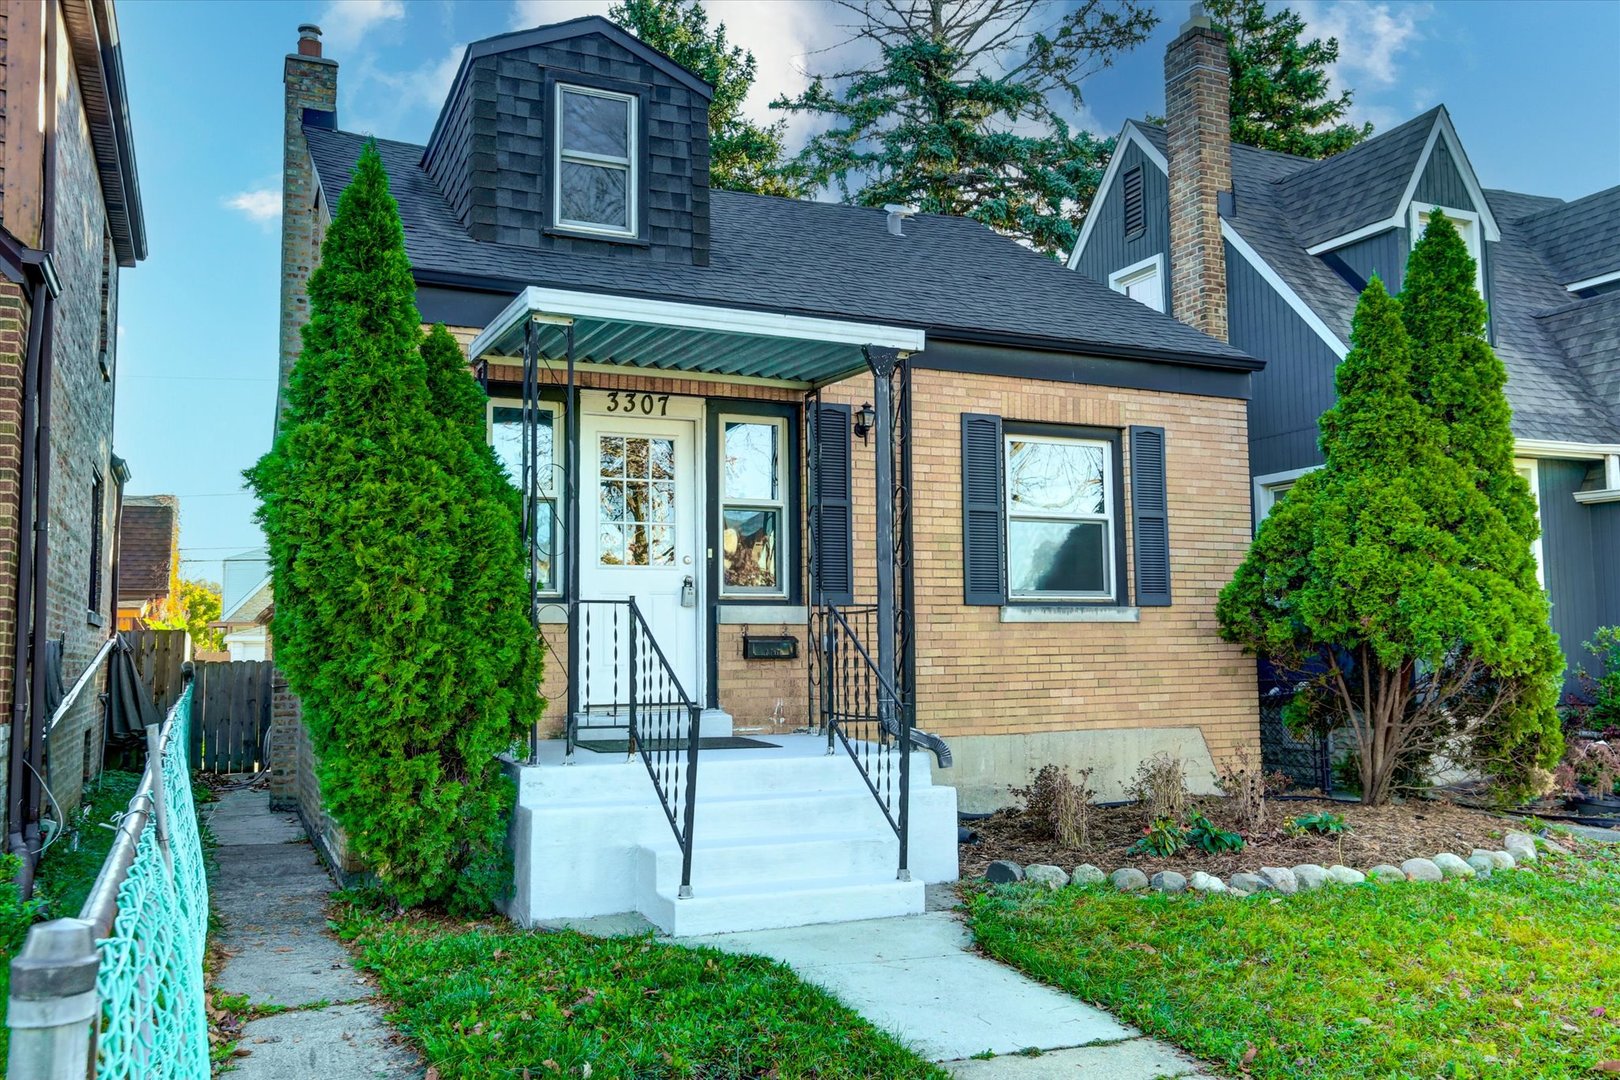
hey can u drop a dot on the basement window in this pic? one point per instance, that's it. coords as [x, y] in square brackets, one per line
[594, 161]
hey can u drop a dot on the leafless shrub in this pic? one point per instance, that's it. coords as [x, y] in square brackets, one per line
[1244, 780]
[1060, 804]
[1160, 786]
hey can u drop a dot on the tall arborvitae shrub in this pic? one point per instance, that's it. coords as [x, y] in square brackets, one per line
[398, 574]
[1387, 581]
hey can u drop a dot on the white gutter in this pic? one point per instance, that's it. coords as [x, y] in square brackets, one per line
[536, 300]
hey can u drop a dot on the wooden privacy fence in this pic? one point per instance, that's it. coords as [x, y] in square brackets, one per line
[159, 655]
[231, 715]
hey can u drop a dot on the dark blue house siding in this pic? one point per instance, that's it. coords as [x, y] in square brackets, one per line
[1107, 250]
[1580, 583]
[1383, 254]
[1296, 386]
[493, 145]
[1441, 183]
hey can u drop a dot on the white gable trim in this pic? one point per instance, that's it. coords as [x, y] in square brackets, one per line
[1284, 290]
[1127, 135]
[1442, 129]
[1570, 451]
[1593, 282]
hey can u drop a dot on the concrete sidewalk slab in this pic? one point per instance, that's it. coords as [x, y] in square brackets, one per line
[1138, 1059]
[917, 978]
[349, 1041]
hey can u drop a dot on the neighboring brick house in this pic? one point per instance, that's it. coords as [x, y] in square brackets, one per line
[70, 219]
[148, 557]
[798, 416]
[1270, 252]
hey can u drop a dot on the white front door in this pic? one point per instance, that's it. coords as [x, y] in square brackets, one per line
[639, 516]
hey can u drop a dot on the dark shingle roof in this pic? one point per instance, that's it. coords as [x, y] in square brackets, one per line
[147, 535]
[950, 276]
[1580, 239]
[1562, 358]
[1362, 185]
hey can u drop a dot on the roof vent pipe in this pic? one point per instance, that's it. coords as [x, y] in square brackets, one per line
[898, 213]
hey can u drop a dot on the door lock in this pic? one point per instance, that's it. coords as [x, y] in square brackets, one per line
[688, 592]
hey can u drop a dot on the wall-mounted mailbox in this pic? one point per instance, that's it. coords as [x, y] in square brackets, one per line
[772, 647]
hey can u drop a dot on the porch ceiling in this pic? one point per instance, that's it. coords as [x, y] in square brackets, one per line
[672, 336]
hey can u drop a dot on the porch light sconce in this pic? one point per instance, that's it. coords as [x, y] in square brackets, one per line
[865, 417]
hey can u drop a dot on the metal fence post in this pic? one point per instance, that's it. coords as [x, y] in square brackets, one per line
[53, 1005]
[160, 799]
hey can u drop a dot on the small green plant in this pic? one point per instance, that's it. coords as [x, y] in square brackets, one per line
[1163, 838]
[1324, 823]
[1207, 836]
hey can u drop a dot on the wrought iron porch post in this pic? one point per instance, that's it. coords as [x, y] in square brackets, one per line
[883, 361]
[571, 545]
[530, 480]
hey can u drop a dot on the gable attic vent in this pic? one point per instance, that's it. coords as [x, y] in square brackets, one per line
[1135, 208]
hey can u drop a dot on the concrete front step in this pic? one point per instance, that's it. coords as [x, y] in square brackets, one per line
[714, 723]
[783, 837]
[788, 903]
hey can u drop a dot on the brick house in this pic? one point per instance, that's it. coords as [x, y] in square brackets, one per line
[70, 220]
[148, 565]
[1270, 251]
[798, 481]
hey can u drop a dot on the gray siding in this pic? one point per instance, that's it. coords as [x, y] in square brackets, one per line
[1296, 386]
[1441, 183]
[1384, 255]
[491, 156]
[1107, 250]
[1575, 574]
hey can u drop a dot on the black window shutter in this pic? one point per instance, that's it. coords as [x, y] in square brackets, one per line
[835, 525]
[1150, 517]
[984, 559]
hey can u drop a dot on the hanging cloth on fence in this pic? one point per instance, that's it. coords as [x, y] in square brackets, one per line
[130, 709]
[54, 690]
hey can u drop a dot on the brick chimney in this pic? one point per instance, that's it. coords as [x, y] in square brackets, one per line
[311, 95]
[1197, 100]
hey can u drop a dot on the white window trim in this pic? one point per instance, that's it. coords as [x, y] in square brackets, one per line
[555, 492]
[1153, 266]
[1111, 586]
[1530, 469]
[631, 163]
[1460, 218]
[784, 529]
[1267, 488]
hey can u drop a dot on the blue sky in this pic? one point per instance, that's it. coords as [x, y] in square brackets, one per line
[1531, 86]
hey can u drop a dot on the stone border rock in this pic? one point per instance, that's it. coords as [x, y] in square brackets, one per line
[1518, 850]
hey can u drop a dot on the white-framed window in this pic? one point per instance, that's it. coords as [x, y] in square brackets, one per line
[1060, 518]
[1271, 489]
[753, 506]
[1527, 468]
[1466, 222]
[1142, 282]
[594, 161]
[506, 436]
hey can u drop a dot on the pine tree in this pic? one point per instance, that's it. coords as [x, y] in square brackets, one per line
[743, 155]
[1281, 98]
[960, 115]
[399, 615]
[1383, 583]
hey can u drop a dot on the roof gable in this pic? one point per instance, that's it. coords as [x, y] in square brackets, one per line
[1131, 133]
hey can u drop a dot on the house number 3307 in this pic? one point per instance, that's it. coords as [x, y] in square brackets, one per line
[620, 401]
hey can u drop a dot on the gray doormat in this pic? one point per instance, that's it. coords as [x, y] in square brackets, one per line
[715, 742]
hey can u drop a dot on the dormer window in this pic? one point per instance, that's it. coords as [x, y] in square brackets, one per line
[595, 161]
[1466, 222]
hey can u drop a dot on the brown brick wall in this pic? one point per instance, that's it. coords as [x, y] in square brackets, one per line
[295, 783]
[13, 345]
[1197, 115]
[310, 82]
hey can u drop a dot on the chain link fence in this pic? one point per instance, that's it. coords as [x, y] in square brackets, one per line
[122, 985]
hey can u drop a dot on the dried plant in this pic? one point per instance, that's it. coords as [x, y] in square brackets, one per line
[1061, 804]
[1160, 786]
[1244, 780]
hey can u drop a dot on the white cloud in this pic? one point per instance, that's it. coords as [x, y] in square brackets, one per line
[259, 204]
[344, 23]
[1374, 38]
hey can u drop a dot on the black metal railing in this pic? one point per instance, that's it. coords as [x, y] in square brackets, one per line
[862, 711]
[624, 674]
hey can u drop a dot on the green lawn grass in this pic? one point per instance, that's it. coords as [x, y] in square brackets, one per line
[491, 1000]
[1517, 976]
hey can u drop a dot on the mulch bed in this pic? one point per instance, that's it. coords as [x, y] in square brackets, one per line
[1381, 834]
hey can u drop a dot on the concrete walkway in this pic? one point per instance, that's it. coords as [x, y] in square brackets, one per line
[918, 978]
[269, 893]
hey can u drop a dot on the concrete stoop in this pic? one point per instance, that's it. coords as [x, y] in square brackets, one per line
[786, 836]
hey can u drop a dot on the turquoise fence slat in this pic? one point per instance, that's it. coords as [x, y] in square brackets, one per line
[153, 1022]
